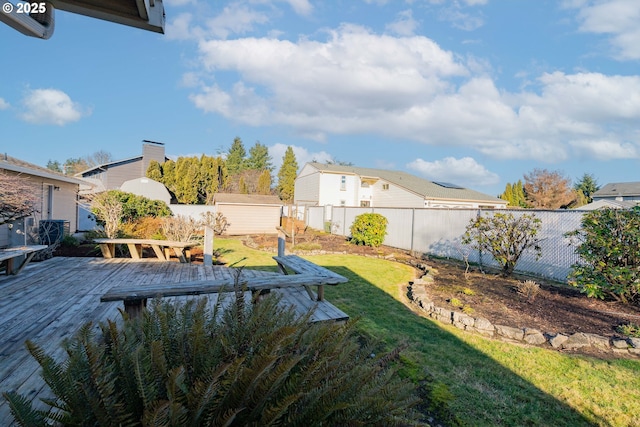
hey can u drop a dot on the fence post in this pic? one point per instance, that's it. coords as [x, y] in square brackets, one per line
[208, 246]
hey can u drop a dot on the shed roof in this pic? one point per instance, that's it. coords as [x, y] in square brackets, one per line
[249, 199]
[425, 188]
[20, 166]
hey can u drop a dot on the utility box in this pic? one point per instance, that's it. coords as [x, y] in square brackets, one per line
[51, 231]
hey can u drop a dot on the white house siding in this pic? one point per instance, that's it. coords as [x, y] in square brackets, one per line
[394, 197]
[193, 211]
[250, 219]
[307, 188]
[332, 192]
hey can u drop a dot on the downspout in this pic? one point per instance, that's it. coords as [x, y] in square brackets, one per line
[39, 25]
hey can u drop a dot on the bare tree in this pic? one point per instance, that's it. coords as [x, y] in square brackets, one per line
[17, 198]
[548, 189]
[108, 210]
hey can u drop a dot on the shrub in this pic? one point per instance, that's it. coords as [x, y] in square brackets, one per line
[70, 241]
[610, 255]
[251, 364]
[181, 228]
[456, 302]
[505, 237]
[629, 330]
[369, 229]
[529, 289]
[144, 228]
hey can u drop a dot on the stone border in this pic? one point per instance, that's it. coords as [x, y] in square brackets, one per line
[419, 297]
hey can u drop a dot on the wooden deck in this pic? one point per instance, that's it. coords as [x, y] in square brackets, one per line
[50, 300]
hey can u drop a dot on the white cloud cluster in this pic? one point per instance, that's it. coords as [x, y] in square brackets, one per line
[616, 18]
[4, 104]
[303, 155]
[409, 88]
[50, 106]
[465, 171]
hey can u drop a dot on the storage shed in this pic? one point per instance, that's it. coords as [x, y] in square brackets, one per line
[249, 213]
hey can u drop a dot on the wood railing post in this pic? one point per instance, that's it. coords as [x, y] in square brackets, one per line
[208, 246]
[281, 242]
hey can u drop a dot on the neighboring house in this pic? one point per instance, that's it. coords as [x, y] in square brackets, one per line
[249, 213]
[320, 184]
[619, 191]
[110, 176]
[57, 195]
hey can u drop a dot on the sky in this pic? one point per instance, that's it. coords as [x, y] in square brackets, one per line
[474, 92]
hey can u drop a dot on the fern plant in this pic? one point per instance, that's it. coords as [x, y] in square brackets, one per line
[189, 364]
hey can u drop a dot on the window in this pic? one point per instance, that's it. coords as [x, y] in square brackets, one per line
[343, 203]
[343, 183]
[365, 203]
[385, 186]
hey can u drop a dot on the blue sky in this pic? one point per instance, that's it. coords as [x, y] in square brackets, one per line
[475, 92]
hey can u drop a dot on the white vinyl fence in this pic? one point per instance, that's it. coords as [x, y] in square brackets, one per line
[439, 232]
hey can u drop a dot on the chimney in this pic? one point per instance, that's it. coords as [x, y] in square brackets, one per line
[151, 150]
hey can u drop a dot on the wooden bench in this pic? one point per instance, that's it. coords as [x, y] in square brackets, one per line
[162, 248]
[135, 298]
[10, 254]
[303, 267]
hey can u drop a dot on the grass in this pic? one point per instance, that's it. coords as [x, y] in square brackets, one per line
[489, 382]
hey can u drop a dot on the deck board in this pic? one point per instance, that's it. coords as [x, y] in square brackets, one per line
[48, 301]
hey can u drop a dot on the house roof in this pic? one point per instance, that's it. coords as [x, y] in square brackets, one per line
[107, 165]
[20, 166]
[420, 186]
[249, 199]
[607, 203]
[619, 189]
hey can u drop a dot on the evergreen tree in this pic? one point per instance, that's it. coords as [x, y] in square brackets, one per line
[154, 171]
[519, 198]
[243, 188]
[236, 161]
[209, 179]
[587, 185]
[169, 175]
[264, 183]
[508, 194]
[54, 165]
[287, 176]
[259, 158]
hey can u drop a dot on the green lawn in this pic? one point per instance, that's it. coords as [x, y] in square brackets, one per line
[490, 382]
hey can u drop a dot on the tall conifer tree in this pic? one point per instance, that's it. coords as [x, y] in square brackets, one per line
[287, 176]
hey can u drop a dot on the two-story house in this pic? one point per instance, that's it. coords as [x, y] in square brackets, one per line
[321, 184]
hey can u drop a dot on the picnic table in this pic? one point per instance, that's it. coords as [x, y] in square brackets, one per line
[161, 248]
[135, 297]
[9, 256]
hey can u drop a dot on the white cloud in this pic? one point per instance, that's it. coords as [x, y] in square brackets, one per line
[616, 18]
[404, 25]
[301, 7]
[408, 88]
[50, 106]
[606, 149]
[4, 104]
[303, 155]
[465, 171]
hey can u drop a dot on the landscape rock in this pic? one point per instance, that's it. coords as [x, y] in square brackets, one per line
[620, 343]
[534, 336]
[635, 342]
[483, 326]
[558, 340]
[598, 341]
[509, 332]
[577, 340]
